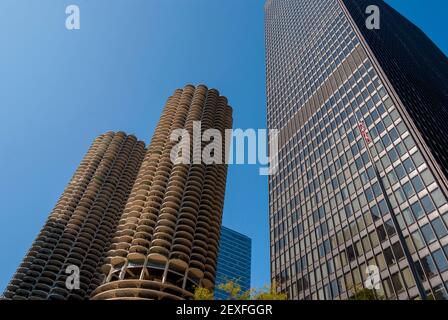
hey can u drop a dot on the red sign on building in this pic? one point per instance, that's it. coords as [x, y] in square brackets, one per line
[364, 131]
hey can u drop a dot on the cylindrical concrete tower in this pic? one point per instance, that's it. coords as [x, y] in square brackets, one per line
[167, 240]
[81, 225]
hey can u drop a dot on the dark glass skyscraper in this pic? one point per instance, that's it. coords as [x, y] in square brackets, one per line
[234, 261]
[363, 168]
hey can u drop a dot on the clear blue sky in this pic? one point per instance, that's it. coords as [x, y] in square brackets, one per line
[59, 89]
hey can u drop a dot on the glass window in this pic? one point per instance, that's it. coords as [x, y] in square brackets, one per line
[362, 200]
[358, 247]
[333, 241]
[361, 224]
[408, 190]
[389, 257]
[417, 210]
[344, 258]
[438, 197]
[401, 149]
[386, 140]
[389, 288]
[408, 218]
[409, 143]
[420, 272]
[340, 237]
[392, 177]
[381, 233]
[334, 288]
[427, 177]
[318, 273]
[401, 196]
[429, 266]
[346, 233]
[330, 266]
[357, 276]
[366, 243]
[341, 285]
[440, 293]
[369, 194]
[417, 183]
[418, 159]
[374, 239]
[364, 177]
[427, 204]
[428, 234]
[353, 228]
[390, 229]
[397, 282]
[393, 134]
[381, 261]
[349, 281]
[327, 246]
[306, 282]
[312, 278]
[398, 251]
[418, 240]
[439, 228]
[399, 170]
[375, 213]
[385, 160]
[408, 165]
[371, 172]
[440, 259]
[351, 253]
[401, 127]
[401, 223]
[321, 251]
[355, 202]
[376, 189]
[408, 278]
[321, 294]
[383, 207]
[368, 218]
[410, 244]
[337, 262]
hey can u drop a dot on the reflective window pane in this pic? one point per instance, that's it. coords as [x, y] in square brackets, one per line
[439, 228]
[440, 260]
[428, 266]
[427, 204]
[438, 197]
[417, 210]
[428, 234]
[418, 240]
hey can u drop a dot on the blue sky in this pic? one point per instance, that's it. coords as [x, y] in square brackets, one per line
[59, 89]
